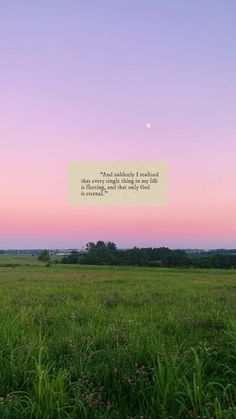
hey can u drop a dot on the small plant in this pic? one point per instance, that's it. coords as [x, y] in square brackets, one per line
[44, 256]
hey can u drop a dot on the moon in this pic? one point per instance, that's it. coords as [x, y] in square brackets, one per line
[148, 125]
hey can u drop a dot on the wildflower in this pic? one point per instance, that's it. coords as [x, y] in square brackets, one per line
[109, 405]
[209, 407]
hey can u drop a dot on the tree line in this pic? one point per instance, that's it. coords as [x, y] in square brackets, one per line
[107, 253]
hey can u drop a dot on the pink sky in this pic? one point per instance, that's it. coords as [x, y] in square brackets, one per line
[79, 83]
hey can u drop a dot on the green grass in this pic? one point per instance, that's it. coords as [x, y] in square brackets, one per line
[113, 342]
[23, 259]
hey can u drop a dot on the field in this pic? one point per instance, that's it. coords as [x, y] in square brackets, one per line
[107, 342]
[22, 259]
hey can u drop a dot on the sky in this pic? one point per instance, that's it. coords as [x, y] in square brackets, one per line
[79, 80]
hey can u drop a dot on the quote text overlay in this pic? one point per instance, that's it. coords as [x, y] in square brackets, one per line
[125, 183]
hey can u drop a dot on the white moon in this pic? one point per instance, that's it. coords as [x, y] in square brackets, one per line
[148, 125]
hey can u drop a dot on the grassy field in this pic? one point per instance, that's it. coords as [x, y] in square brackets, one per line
[23, 259]
[107, 342]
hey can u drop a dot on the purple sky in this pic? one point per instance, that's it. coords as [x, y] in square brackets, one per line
[80, 79]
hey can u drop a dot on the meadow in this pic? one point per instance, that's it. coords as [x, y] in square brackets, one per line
[117, 342]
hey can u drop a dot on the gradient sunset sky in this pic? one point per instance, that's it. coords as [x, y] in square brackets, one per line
[79, 80]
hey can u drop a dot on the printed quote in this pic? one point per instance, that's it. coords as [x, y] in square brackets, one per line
[117, 183]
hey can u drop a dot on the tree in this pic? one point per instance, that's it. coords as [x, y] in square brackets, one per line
[71, 258]
[137, 257]
[44, 256]
[100, 253]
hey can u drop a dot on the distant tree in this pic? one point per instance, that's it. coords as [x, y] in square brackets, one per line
[112, 246]
[71, 258]
[100, 253]
[176, 258]
[90, 246]
[203, 262]
[44, 256]
[137, 257]
[106, 253]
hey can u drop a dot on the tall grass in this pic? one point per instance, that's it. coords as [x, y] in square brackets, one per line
[117, 343]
